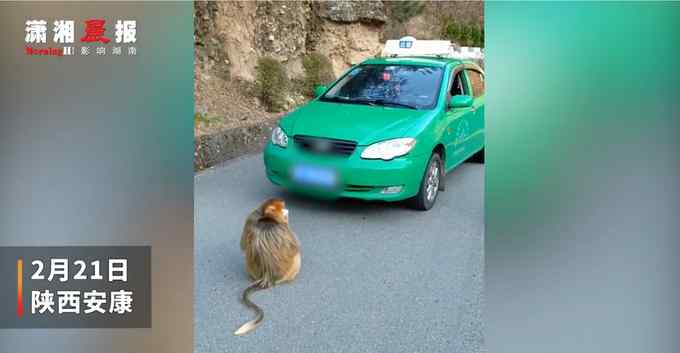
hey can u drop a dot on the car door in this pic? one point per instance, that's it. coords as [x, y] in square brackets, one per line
[476, 82]
[459, 121]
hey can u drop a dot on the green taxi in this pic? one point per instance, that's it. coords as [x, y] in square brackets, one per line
[389, 129]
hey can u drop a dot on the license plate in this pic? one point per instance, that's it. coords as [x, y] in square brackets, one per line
[315, 176]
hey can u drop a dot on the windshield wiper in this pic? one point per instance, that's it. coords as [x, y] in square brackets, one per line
[363, 101]
[348, 100]
[371, 102]
[397, 104]
[336, 99]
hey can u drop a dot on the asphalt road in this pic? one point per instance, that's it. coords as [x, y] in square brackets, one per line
[376, 277]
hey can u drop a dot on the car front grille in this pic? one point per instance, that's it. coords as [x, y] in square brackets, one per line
[323, 145]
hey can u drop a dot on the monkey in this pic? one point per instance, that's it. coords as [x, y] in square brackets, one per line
[272, 253]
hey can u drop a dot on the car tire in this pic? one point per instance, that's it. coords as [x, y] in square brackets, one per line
[429, 184]
[478, 157]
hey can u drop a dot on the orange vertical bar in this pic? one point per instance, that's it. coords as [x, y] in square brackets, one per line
[20, 289]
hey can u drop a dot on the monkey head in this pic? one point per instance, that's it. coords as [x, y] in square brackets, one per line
[274, 210]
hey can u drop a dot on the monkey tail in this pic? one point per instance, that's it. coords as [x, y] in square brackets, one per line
[259, 314]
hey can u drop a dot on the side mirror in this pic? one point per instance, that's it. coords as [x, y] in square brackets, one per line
[460, 101]
[319, 90]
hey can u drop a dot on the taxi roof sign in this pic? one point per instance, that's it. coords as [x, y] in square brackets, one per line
[410, 46]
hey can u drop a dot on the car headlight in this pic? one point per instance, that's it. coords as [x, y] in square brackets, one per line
[279, 137]
[389, 149]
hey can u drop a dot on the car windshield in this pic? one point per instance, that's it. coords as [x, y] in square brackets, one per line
[401, 86]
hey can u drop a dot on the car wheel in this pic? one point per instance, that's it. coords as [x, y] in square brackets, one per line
[478, 157]
[429, 185]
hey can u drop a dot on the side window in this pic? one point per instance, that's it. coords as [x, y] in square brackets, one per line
[476, 82]
[458, 85]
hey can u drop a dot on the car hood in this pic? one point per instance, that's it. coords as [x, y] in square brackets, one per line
[364, 124]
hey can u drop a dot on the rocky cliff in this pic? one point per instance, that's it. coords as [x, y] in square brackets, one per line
[231, 35]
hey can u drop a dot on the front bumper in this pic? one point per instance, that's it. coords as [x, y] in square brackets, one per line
[356, 178]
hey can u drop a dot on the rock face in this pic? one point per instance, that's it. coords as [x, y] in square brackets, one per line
[352, 11]
[281, 27]
[231, 35]
[348, 44]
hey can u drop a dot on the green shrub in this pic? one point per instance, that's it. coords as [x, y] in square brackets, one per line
[318, 71]
[271, 83]
[463, 34]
